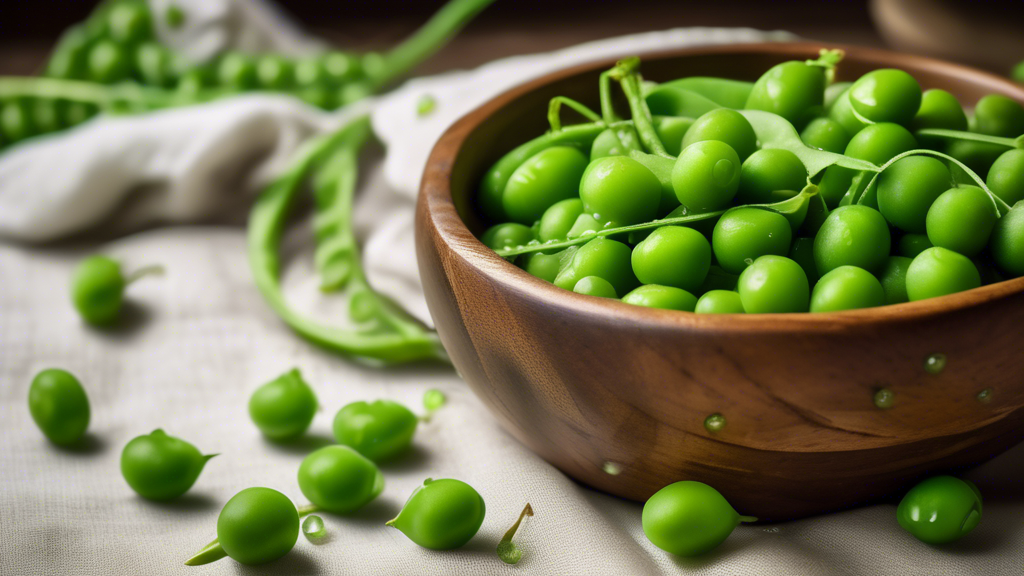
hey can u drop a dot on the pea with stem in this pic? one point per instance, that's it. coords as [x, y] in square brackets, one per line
[508, 551]
[97, 288]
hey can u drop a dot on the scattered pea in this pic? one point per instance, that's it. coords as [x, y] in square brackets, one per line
[283, 408]
[161, 467]
[59, 406]
[940, 510]
[339, 480]
[689, 518]
[379, 430]
[441, 514]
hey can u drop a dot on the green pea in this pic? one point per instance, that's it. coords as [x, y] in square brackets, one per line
[441, 514]
[939, 109]
[913, 244]
[45, 115]
[128, 22]
[842, 112]
[719, 302]
[887, 95]
[283, 408]
[768, 170]
[70, 59]
[75, 113]
[744, 234]
[559, 218]
[894, 279]
[907, 189]
[320, 97]
[258, 525]
[826, 134]
[275, 72]
[877, 143]
[689, 518]
[793, 90]
[852, 236]
[109, 62]
[59, 406]
[236, 70]
[1006, 176]
[723, 125]
[706, 176]
[940, 509]
[662, 168]
[847, 288]
[802, 252]
[507, 235]
[542, 180]
[543, 266]
[614, 142]
[379, 430]
[664, 297]
[193, 81]
[833, 92]
[161, 467]
[339, 480]
[618, 189]
[601, 257]
[671, 130]
[16, 121]
[97, 288]
[938, 272]
[153, 64]
[774, 284]
[340, 67]
[961, 219]
[672, 256]
[354, 92]
[998, 115]
[1007, 242]
[595, 286]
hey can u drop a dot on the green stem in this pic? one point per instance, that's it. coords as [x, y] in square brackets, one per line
[152, 270]
[555, 112]
[507, 551]
[628, 76]
[972, 137]
[441, 28]
[607, 107]
[748, 519]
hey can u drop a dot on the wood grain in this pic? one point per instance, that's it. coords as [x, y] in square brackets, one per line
[585, 381]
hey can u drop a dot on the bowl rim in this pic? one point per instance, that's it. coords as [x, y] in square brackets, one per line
[437, 208]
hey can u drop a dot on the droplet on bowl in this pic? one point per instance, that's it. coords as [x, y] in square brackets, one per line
[611, 468]
[985, 396]
[885, 398]
[313, 527]
[934, 363]
[715, 422]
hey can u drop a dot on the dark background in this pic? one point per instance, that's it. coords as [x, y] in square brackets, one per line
[987, 33]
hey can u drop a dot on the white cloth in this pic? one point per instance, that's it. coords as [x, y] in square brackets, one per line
[196, 342]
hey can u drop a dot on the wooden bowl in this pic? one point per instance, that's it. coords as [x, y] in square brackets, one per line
[616, 396]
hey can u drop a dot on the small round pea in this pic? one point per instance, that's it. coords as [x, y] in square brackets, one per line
[275, 72]
[913, 244]
[1006, 176]
[153, 64]
[601, 257]
[877, 143]
[621, 190]
[673, 256]
[507, 235]
[706, 176]
[774, 284]
[719, 302]
[744, 234]
[128, 22]
[998, 115]
[543, 266]
[339, 480]
[887, 95]
[379, 430]
[16, 121]
[768, 170]
[543, 179]
[442, 514]
[559, 218]
[893, 277]
[258, 525]
[961, 219]
[1007, 241]
[595, 286]
[689, 518]
[237, 70]
[59, 406]
[937, 272]
[793, 90]
[612, 142]
[723, 125]
[940, 509]
[108, 62]
[826, 134]
[310, 72]
[97, 288]
[907, 189]
[161, 467]
[283, 408]
[341, 67]
[664, 297]
[802, 253]
[842, 112]
[671, 130]
[939, 109]
[847, 288]
[852, 235]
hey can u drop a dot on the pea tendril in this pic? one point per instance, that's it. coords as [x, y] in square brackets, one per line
[508, 551]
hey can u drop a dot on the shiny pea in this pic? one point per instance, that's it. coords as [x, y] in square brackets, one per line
[689, 518]
[794, 90]
[258, 525]
[601, 257]
[547, 177]
[275, 72]
[886, 95]
[939, 109]
[153, 64]
[961, 219]
[379, 430]
[706, 176]
[908, 188]
[283, 408]
[507, 235]
[877, 143]
[774, 284]
[852, 236]
[543, 266]
[847, 288]
[723, 125]
[237, 70]
[672, 256]
[339, 480]
[109, 62]
[618, 189]
[937, 272]
[158, 466]
[893, 278]
[719, 302]
[129, 23]
[1006, 176]
[769, 170]
[825, 134]
[340, 67]
[940, 509]
[595, 286]
[559, 218]
[441, 514]
[664, 297]
[1007, 241]
[744, 234]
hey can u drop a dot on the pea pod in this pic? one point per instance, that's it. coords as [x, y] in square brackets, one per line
[725, 92]
[673, 101]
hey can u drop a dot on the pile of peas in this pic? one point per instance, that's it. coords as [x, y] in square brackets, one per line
[789, 194]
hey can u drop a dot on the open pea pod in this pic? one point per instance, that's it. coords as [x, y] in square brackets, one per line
[722, 91]
[774, 131]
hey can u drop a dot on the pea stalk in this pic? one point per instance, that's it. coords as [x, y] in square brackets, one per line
[626, 73]
[555, 112]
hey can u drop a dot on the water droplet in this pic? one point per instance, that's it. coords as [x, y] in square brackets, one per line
[533, 243]
[935, 363]
[748, 261]
[885, 398]
[773, 530]
[596, 216]
[587, 232]
[611, 468]
[985, 396]
[313, 527]
[715, 422]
